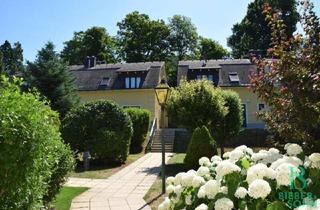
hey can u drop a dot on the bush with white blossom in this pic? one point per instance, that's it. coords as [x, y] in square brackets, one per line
[248, 181]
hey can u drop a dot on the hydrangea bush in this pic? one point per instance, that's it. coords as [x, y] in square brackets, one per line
[243, 179]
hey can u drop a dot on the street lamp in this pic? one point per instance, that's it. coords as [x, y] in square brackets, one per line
[162, 93]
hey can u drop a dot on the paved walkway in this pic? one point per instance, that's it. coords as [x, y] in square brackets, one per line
[122, 191]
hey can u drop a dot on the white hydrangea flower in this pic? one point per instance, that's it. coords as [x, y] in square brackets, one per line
[259, 189]
[204, 161]
[283, 174]
[293, 149]
[215, 160]
[178, 178]
[259, 171]
[201, 192]
[241, 192]
[226, 167]
[186, 180]
[224, 190]
[197, 181]
[203, 171]
[170, 180]
[211, 188]
[315, 160]
[188, 200]
[306, 207]
[178, 190]
[274, 151]
[202, 207]
[285, 159]
[236, 155]
[226, 155]
[223, 204]
[165, 205]
[175, 200]
[170, 188]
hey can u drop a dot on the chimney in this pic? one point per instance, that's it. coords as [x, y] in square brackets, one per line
[90, 62]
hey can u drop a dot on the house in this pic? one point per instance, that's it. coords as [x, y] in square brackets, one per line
[228, 74]
[128, 84]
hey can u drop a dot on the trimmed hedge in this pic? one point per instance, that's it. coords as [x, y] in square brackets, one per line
[140, 121]
[201, 145]
[33, 158]
[102, 128]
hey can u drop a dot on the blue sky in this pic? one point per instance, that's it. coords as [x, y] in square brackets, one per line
[34, 22]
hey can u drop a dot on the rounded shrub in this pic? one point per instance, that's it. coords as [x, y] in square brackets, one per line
[100, 127]
[140, 122]
[33, 158]
[201, 145]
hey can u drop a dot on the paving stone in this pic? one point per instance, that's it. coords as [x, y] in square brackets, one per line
[123, 190]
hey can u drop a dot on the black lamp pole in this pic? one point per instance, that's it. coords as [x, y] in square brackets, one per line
[163, 165]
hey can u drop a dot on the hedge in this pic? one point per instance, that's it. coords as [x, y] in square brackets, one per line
[140, 121]
[201, 145]
[33, 159]
[102, 128]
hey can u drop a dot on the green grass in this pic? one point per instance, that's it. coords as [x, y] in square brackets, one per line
[104, 171]
[64, 198]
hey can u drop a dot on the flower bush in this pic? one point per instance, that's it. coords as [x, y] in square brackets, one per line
[246, 180]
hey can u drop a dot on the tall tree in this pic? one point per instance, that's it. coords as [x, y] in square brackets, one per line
[12, 57]
[94, 41]
[51, 76]
[183, 36]
[1, 62]
[253, 32]
[142, 39]
[291, 84]
[210, 49]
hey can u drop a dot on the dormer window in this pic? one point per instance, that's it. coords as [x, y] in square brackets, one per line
[234, 78]
[132, 82]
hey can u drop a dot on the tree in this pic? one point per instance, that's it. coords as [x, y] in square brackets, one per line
[12, 57]
[94, 41]
[142, 39]
[197, 103]
[183, 36]
[51, 76]
[210, 49]
[231, 124]
[33, 159]
[253, 32]
[102, 128]
[290, 85]
[1, 62]
[201, 145]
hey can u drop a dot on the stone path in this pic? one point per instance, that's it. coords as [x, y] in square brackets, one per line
[122, 191]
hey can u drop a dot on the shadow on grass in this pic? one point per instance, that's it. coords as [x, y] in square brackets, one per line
[96, 166]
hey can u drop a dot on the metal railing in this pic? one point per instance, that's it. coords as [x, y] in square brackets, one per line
[151, 135]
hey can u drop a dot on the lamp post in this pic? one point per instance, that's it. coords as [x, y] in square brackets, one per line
[162, 93]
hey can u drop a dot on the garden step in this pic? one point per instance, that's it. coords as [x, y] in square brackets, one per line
[168, 135]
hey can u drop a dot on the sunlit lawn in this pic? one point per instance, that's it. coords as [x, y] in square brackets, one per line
[64, 198]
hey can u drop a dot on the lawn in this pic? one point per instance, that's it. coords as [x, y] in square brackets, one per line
[175, 165]
[104, 171]
[64, 198]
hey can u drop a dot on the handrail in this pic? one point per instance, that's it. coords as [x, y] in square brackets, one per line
[151, 135]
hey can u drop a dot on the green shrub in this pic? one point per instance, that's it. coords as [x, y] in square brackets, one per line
[102, 128]
[201, 145]
[140, 121]
[29, 141]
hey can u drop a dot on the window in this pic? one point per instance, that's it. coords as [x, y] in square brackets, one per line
[204, 76]
[105, 81]
[210, 77]
[234, 78]
[244, 115]
[132, 82]
[127, 82]
[261, 107]
[131, 106]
